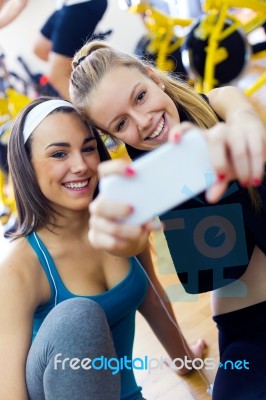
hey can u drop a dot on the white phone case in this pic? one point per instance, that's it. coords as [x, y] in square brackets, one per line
[165, 178]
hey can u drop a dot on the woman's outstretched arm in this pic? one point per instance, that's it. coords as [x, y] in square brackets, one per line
[164, 323]
[9, 10]
[19, 298]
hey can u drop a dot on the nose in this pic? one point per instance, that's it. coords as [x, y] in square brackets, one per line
[78, 164]
[143, 120]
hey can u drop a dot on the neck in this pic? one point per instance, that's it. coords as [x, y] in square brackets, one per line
[70, 225]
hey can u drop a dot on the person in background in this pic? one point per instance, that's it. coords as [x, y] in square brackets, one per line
[70, 25]
[143, 107]
[64, 32]
[9, 10]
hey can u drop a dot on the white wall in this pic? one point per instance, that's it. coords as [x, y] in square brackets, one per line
[18, 37]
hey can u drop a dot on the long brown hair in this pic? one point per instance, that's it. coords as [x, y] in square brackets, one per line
[33, 208]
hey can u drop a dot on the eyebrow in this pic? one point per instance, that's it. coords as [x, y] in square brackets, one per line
[65, 144]
[131, 96]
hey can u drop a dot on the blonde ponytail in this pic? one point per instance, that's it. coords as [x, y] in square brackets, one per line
[86, 50]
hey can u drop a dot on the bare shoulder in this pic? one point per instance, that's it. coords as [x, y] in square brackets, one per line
[19, 268]
[18, 256]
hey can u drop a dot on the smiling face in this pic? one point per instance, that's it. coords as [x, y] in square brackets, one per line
[133, 108]
[65, 160]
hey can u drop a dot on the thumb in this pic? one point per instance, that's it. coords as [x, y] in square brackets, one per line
[216, 191]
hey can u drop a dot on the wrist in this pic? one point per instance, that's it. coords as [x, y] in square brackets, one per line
[242, 114]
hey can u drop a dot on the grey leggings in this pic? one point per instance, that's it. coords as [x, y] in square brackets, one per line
[75, 329]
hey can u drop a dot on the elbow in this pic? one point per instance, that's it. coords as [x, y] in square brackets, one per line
[153, 301]
[39, 52]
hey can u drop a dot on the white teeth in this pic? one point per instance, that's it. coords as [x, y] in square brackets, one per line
[78, 185]
[158, 130]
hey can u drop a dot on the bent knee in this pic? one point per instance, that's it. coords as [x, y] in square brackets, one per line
[77, 316]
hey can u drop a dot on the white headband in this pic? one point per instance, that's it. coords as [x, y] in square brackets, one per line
[38, 113]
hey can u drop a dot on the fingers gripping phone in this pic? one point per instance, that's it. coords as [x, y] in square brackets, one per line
[165, 178]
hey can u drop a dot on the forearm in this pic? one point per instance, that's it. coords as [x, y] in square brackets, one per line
[12, 372]
[231, 104]
[10, 10]
[164, 324]
[14, 392]
[160, 314]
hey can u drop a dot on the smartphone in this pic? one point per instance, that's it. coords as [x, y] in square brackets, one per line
[165, 177]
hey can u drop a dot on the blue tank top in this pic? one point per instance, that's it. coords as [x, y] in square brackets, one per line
[119, 304]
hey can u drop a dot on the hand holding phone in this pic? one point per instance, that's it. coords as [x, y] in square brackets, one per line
[165, 178]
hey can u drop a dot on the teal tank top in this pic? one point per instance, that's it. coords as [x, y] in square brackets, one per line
[120, 304]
